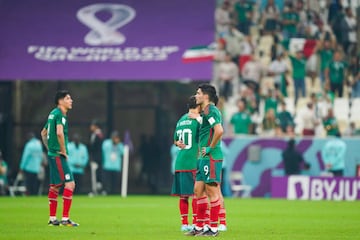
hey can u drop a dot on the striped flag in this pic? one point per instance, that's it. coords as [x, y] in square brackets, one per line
[307, 46]
[199, 54]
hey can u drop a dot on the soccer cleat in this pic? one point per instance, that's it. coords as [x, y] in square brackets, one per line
[185, 228]
[53, 223]
[68, 223]
[193, 232]
[222, 228]
[207, 233]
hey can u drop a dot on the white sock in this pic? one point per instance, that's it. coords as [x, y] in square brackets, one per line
[52, 218]
[214, 229]
[64, 219]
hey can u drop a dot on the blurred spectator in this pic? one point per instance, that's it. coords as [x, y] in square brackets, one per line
[304, 16]
[335, 74]
[228, 77]
[333, 154]
[316, 106]
[278, 69]
[220, 51]
[252, 73]
[270, 17]
[31, 164]
[354, 76]
[174, 150]
[355, 86]
[284, 118]
[269, 123]
[95, 151]
[243, 11]
[3, 176]
[325, 50]
[290, 131]
[251, 100]
[78, 158]
[348, 28]
[247, 49]
[241, 120]
[272, 99]
[223, 19]
[298, 68]
[326, 34]
[293, 159]
[224, 185]
[323, 104]
[290, 20]
[351, 130]
[113, 151]
[308, 120]
[330, 124]
[233, 43]
[335, 17]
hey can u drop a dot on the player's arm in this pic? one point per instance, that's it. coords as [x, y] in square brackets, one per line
[218, 132]
[44, 139]
[61, 139]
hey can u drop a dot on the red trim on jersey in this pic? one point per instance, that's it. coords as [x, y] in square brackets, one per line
[210, 136]
[60, 168]
[212, 168]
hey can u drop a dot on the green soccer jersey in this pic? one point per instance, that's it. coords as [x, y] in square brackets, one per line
[337, 71]
[325, 57]
[55, 118]
[211, 117]
[293, 16]
[298, 65]
[241, 122]
[187, 130]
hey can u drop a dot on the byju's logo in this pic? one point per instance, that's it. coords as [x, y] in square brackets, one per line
[298, 187]
[105, 32]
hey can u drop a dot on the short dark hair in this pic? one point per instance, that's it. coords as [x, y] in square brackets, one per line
[209, 90]
[191, 104]
[61, 94]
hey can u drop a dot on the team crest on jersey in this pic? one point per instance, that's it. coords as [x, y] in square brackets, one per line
[63, 121]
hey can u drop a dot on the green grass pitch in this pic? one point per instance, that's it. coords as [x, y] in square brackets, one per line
[157, 217]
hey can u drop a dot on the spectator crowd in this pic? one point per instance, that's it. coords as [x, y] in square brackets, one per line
[282, 67]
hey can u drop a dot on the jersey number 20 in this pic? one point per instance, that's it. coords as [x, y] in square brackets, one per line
[185, 135]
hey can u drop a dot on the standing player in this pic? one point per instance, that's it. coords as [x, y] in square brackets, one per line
[186, 137]
[55, 138]
[208, 176]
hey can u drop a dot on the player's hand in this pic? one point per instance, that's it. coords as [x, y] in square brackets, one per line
[194, 115]
[180, 144]
[63, 154]
[206, 151]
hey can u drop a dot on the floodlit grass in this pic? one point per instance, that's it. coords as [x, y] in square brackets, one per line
[157, 217]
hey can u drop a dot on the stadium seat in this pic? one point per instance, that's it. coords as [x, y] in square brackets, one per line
[17, 187]
[290, 105]
[355, 110]
[238, 186]
[265, 44]
[341, 108]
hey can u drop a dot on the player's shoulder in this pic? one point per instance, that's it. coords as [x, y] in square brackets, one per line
[211, 109]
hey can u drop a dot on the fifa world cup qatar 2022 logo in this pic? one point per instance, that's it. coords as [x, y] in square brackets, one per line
[105, 33]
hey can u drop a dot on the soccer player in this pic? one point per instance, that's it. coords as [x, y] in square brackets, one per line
[186, 137]
[55, 138]
[208, 176]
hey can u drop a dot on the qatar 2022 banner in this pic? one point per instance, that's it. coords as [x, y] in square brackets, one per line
[126, 40]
